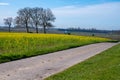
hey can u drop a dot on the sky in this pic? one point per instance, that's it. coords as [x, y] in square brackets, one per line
[99, 14]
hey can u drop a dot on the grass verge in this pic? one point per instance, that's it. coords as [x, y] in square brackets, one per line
[104, 66]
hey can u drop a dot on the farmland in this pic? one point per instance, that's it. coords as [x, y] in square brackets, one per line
[14, 46]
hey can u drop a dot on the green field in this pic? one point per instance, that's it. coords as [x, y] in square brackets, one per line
[104, 66]
[14, 46]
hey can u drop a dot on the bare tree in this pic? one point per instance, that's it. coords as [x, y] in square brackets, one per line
[46, 19]
[8, 22]
[24, 17]
[19, 22]
[35, 15]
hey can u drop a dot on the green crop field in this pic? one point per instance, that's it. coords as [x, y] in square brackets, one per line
[104, 66]
[14, 46]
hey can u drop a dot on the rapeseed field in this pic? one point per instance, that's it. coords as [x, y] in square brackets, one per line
[14, 46]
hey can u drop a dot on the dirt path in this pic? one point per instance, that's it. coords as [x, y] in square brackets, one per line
[37, 68]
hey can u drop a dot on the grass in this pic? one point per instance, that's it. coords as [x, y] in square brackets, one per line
[104, 66]
[14, 46]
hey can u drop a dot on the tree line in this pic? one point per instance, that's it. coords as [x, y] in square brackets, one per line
[36, 17]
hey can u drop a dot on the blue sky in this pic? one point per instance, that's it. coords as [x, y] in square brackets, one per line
[99, 14]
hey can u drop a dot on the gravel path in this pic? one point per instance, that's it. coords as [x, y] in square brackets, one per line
[37, 68]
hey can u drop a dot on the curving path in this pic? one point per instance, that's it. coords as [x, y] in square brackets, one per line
[40, 67]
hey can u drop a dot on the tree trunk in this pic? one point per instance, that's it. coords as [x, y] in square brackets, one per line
[9, 28]
[36, 28]
[44, 29]
[27, 30]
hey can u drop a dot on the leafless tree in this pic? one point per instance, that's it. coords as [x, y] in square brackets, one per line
[8, 22]
[18, 22]
[24, 17]
[46, 19]
[35, 15]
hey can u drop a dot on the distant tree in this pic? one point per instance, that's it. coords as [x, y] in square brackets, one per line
[24, 17]
[46, 19]
[36, 14]
[8, 22]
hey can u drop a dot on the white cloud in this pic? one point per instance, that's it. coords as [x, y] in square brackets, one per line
[87, 10]
[4, 4]
[105, 15]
